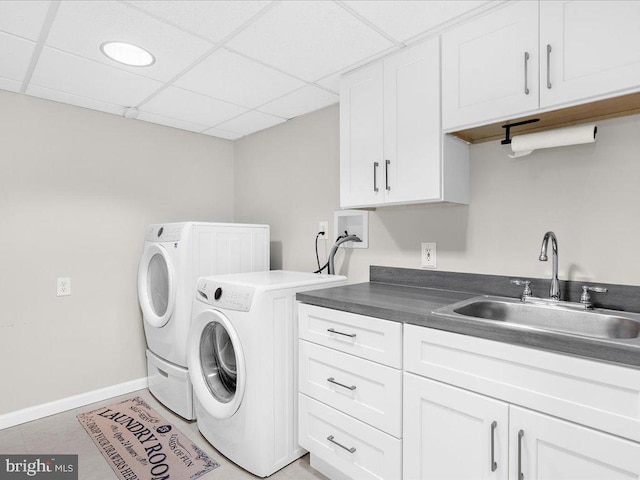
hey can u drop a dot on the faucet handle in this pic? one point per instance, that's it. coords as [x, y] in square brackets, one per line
[527, 289]
[585, 298]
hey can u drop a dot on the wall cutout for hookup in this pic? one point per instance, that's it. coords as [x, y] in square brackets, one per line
[354, 222]
[561, 137]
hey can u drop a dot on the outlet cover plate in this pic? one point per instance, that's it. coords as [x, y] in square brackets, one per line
[323, 226]
[428, 255]
[63, 286]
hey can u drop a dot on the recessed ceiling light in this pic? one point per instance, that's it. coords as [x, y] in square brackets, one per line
[127, 54]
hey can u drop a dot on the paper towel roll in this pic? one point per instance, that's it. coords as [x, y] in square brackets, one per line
[525, 144]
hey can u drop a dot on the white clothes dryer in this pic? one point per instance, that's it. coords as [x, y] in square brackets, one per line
[175, 255]
[243, 364]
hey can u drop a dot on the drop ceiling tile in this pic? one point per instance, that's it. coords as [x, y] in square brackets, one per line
[10, 85]
[250, 122]
[309, 39]
[170, 122]
[77, 76]
[216, 132]
[332, 82]
[406, 19]
[23, 18]
[70, 99]
[81, 27]
[233, 78]
[305, 100]
[15, 56]
[191, 107]
[211, 19]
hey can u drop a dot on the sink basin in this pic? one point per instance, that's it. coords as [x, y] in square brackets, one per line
[549, 316]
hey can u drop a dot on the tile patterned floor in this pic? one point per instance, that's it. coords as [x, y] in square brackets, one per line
[62, 433]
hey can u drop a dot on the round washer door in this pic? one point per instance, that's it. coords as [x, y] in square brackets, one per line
[156, 285]
[216, 364]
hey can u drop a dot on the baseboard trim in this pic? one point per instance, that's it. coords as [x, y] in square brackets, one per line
[12, 419]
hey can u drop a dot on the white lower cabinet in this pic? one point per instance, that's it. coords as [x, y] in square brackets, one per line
[452, 433]
[350, 394]
[351, 447]
[439, 405]
[545, 448]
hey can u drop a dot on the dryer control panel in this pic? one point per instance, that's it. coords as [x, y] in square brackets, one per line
[224, 295]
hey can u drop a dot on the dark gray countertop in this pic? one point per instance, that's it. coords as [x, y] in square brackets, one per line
[397, 303]
[414, 305]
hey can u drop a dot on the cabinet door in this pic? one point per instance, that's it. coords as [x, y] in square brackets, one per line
[449, 433]
[594, 49]
[553, 449]
[412, 132]
[361, 137]
[485, 75]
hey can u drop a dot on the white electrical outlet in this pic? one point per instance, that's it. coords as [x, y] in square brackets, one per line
[63, 286]
[429, 255]
[323, 227]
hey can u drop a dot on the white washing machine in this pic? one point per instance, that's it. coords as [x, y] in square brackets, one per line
[175, 255]
[243, 363]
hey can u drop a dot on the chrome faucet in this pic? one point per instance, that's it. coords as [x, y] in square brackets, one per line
[554, 291]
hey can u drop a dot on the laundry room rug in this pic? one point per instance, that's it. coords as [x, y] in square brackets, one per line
[140, 444]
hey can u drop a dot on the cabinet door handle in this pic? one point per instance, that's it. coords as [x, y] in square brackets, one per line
[386, 175]
[333, 380]
[520, 474]
[331, 439]
[375, 176]
[526, 73]
[352, 335]
[549, 66]
[494, 465]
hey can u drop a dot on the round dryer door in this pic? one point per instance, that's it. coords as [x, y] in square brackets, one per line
[156, 285]
[216, 364]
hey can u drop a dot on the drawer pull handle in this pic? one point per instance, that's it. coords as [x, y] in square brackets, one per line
[520, 474]
[331, 439]
[548, 66]
[352, 335]
[333, 380]
[386, 175]
[375, 176]
[526, 73]
[494, 465]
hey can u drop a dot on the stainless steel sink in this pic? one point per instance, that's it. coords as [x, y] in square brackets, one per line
[546, 315]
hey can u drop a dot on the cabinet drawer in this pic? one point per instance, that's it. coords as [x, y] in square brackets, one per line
[374, 454]
[596, 394]
[368, 391]
[366, 337]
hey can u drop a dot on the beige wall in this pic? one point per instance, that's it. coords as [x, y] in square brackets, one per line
[589, 195]
[77, 190]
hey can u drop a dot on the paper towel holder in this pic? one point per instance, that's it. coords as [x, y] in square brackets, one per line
[507, 138]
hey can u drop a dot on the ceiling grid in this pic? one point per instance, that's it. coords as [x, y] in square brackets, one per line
[223, 68]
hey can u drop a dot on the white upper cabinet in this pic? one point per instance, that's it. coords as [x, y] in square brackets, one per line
[490, 66]
[529, 56]
[361, 136]
[391, 146]
[412, 124]
[588, 49]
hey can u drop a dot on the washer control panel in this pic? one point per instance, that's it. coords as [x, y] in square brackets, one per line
[225, 295]
[170, 232]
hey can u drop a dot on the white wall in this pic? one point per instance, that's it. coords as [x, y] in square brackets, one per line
[77, 190]
[589, 195]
